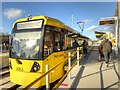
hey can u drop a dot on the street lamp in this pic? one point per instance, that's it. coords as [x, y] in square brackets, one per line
[82, 28]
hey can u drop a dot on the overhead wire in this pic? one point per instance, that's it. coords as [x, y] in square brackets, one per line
[37, 10]
[69, 9]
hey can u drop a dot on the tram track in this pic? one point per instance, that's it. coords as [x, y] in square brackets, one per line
[10, 86]
[4, 71]
[5, 67]
[6, 84]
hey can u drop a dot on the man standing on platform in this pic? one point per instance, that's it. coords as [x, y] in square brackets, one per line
[75, 44]
[107, 49]
[85, 46]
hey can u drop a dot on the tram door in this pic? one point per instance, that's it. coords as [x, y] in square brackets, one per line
[57, 41]
[48, 42]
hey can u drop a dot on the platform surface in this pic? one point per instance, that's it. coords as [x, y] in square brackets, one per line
[93, 74]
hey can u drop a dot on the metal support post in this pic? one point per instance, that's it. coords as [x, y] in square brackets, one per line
[47, 78]
[69, 64]
[78, 55]
[72, 21]
[116, 35]
[119, 41]
[71, 43]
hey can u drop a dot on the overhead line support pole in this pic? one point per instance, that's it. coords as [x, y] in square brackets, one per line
[72, 21]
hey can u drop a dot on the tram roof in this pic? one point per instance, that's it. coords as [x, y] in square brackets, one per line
[47, 21]
[77, 35]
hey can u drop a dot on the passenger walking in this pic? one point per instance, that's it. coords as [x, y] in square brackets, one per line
[85, 46]
[101, 56]
[107, 49]
[75, 44]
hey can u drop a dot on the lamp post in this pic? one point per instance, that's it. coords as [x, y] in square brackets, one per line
[82, 28]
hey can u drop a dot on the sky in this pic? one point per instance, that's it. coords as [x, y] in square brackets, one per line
[88, 12]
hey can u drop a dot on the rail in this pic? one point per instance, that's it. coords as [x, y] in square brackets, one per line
[76, 62]
[61, 80]
[47, 72]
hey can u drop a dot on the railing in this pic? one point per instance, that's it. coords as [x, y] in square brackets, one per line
[48, 71]
[68, 72]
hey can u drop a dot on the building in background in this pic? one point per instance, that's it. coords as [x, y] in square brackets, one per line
[4, 42]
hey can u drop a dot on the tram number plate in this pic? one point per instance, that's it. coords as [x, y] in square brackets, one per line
[60, 55]
[19, 69]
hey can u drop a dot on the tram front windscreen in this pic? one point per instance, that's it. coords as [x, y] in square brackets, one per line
[26, 41]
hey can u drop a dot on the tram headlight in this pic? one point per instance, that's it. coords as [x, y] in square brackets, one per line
[35, 67]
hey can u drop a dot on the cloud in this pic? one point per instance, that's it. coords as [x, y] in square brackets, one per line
[12, 13]
[1, 28]
[92, 28]
[87, 20]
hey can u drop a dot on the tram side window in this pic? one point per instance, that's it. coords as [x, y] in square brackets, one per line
[69, 41]
[48, 43]
[63, 43]
[57, 41]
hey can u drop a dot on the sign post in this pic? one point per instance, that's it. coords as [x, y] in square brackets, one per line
[110, 21]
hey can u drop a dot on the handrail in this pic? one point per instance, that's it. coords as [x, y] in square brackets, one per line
[32, 83]
[58, 84]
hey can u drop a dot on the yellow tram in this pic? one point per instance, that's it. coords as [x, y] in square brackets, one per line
[37, 41]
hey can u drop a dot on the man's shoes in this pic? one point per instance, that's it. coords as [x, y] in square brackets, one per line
[99, 60]
[107, 65]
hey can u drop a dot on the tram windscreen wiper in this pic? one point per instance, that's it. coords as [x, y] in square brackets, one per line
[16, 56]
[13, 50]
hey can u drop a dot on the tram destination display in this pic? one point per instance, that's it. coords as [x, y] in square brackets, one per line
[29, 25]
